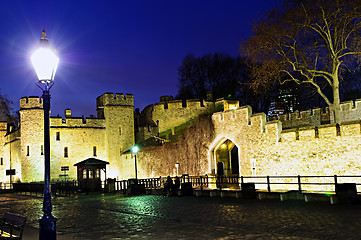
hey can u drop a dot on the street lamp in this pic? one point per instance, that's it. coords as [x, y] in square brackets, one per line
[135, 150]
[45, 62]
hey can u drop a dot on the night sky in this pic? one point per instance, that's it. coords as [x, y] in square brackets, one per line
[116, 46]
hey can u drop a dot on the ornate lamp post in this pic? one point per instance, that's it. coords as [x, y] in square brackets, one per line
[135, 150]
[45, 62]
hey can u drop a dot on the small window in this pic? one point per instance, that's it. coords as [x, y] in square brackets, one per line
[57, 136]
[94, 151]
[42, 149]
[253, 166]
[84, 173]
[120, 131]
[66, 152]
[27, 151]
[2, 161]
[120, 151]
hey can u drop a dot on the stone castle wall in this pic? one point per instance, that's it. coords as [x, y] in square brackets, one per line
[296, 144]
[3, 166]
[12, 156]
[118, 112]
[9, 150]
[324, 150]
[80, 142]
[172, 114]
[350, 111]
[72, 139]
[328, 149]
[32, 139]
[190, 152]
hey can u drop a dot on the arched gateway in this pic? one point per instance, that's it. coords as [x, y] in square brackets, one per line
[224, 159]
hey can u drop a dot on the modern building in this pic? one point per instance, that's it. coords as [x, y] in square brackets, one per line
[286, 102]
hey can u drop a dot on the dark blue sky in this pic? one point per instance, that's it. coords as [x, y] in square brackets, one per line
[116, 46]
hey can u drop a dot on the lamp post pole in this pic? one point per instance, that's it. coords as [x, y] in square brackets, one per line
[48, 221]
[135, 150]
[136, 171]
[45, 62]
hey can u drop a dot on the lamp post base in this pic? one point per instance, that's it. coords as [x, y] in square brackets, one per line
[47, 229]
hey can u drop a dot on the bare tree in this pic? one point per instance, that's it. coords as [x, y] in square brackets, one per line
[308, 42]
[6, 113]
[224, 76]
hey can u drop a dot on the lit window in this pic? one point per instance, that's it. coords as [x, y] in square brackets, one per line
[57, 136]
[84, 173]
[94, 151]
[27, 151]
[66, 152]
[253, 166]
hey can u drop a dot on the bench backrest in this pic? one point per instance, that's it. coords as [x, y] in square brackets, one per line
[15, 222]
[15, 219]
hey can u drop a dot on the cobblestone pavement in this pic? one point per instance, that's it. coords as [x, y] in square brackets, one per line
[161, 217]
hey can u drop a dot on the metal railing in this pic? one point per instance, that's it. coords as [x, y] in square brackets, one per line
[61, 188]
[6, 186]
[266, 183]
[153, 183]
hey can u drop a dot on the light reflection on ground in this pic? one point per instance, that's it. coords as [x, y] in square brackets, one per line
[159, 217]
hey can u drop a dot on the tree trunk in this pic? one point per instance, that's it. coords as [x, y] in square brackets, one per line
[336, 101]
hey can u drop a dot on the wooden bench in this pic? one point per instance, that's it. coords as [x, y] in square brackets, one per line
[12, 226]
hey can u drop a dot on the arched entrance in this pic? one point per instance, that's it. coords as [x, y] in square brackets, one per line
[226, 159]
[225, 164]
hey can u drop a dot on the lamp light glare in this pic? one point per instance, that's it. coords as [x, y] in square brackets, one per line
[135, 149]
[45, 62]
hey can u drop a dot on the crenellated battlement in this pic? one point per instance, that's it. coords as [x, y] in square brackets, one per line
[179, 104]
[172, 113]
[350, 111]
[75, 122]
[31, 103]
[311, 117]
[3, 126]
[327, 131]
[117, 99]
[258, 124]
[221, 104]
[242, 114]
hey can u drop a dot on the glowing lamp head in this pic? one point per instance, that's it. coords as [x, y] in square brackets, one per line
[135, 149]
[45, 61]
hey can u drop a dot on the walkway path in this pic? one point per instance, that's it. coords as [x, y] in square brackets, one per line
[159, 217]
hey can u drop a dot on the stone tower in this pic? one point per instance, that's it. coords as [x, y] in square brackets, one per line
[32, 138]
[117, 110]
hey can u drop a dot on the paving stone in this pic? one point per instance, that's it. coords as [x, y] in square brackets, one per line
[160, 217]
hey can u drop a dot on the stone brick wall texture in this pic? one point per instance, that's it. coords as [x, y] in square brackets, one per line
[190, 152]
[308, 151]
[298, 144]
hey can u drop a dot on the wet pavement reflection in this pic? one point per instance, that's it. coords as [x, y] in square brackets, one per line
[96, 216]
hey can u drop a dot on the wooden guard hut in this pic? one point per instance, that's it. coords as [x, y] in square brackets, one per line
[88, 172]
